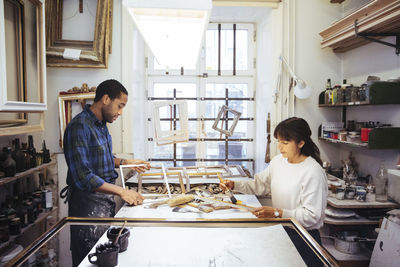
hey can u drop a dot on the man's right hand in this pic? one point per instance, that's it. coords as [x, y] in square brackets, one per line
[131, 197]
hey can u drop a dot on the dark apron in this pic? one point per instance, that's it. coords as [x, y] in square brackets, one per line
[83, 204]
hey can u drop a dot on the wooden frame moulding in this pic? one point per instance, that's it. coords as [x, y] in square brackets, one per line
[223, 112]
[64, 109]
[92, 54]
[376, 16]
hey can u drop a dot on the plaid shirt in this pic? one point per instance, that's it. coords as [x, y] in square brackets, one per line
[88, 152]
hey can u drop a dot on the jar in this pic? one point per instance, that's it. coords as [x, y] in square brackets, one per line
[361, 195]
[381, 183]
[342, 135]
[350, 192]
[355, 94]
[15, 226]
[340, 193]
[347, 94]
[31, 215]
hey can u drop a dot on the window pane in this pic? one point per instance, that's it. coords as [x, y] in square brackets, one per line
[166, 163]
[227, 49]
[186, 150]
[162, 152]
[234, 90]
[212, 108]
[185, 163]
[172, 67]
[167, 89]
[240, 106]
[242, 129]
[215, 150]
[241, 49]
[192, 129]
[237, 150]
[211, 50]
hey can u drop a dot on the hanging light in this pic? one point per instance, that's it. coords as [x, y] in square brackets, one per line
[301, 89]
[172, 29]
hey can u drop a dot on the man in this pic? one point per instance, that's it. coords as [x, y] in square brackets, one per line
[91, 166]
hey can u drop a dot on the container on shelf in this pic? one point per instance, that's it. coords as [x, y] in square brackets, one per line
[381, 184]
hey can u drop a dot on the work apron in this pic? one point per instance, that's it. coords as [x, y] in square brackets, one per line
[84, 204]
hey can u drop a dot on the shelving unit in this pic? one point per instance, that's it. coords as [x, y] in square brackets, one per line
[350, 221]
[23, 174]
[378, 16]
[42, 216]
[32, 231]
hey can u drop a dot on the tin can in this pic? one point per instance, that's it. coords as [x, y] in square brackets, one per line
[47, 199]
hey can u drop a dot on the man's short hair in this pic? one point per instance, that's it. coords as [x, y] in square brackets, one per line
[112, 88]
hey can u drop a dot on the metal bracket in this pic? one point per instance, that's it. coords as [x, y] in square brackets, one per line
[367, 36]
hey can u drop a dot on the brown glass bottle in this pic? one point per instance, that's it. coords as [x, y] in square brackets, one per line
[18, 156]
[31, 152]
[9, 165]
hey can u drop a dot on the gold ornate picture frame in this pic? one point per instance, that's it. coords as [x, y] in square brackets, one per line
[78, 53]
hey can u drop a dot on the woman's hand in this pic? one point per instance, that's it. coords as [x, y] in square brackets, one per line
[266, 212]
[139, 169]
[227, 184]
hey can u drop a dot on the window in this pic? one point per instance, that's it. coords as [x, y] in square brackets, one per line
[224, 75]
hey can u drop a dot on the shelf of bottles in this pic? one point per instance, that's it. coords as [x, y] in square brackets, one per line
[371, 135]
[22, 161]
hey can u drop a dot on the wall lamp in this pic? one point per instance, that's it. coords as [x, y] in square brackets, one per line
[172, 29]
[301, 89]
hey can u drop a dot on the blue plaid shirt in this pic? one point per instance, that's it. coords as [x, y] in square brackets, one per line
[88, 152]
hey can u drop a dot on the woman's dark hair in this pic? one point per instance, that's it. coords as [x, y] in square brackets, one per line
[297, 129]
[112, 88]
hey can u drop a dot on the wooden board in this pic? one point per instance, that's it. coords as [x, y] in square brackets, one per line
[354, 204]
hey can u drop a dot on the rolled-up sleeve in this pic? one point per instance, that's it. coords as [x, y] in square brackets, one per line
[76, 153]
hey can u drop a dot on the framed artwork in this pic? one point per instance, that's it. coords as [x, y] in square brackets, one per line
[64, 49]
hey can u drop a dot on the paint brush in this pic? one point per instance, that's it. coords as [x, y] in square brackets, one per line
[232, 197]
[119, 234]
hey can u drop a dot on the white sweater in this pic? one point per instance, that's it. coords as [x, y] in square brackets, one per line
[299, 189]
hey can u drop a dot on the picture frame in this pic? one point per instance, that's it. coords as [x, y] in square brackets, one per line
[65, 109]
[22, 57]
[78, 53]
[221, 114]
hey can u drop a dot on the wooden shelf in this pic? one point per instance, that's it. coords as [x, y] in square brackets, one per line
[377, 16]
[379, 138]
[42, 216]
[23, 174]
[354, 204]
[350, 221]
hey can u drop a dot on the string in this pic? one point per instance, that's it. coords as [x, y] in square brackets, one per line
[77, 11]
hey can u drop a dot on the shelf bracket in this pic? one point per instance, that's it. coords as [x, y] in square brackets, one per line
[367, 36]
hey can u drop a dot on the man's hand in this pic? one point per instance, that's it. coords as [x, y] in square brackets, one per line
[145, 167]
[131, 197]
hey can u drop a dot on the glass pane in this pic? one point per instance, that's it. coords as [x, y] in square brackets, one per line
[186, 150]
[167, 89]
[212, 108]
[215, 150]
[240, 106]
[237, 150]
[241, 49]
[73, 19]
[226, 49]
[192, 129]
[162, 152]
[211, 50]
[185, 163]
[166, 163]
[241, 129]
[234, 90]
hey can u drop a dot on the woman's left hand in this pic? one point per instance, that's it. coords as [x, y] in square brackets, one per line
[264, 212]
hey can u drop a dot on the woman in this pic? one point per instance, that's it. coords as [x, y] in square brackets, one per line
[295, 179]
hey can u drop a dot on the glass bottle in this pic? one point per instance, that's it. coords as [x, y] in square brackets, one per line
[46, 153]
[9, 165]
[381, 183]
[18, 156]
[31, 152]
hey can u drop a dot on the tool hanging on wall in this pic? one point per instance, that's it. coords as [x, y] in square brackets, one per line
[267, 151]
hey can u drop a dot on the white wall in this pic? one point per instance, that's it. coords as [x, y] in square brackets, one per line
[315, 65]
